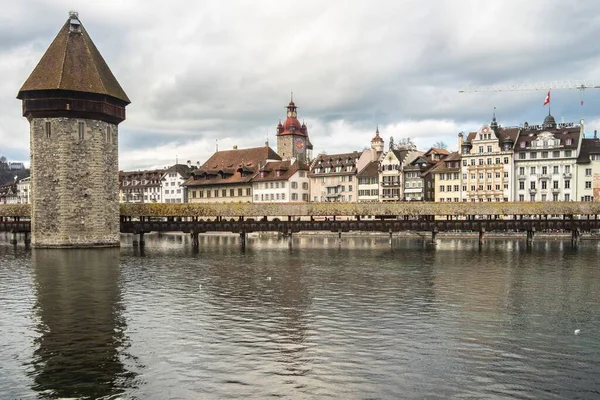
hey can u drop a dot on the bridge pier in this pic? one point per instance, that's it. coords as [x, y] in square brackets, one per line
[434, 233]
[27, 238]
[482, 236]
[243, 239]
[530, 235]
[289, 238]
[138, 239]
[14, 240]
[195, 242]
[575, 236]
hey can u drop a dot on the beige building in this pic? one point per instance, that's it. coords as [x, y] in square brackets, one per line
[487, 163]
[588, 170]
[443, 181]
[226, 177]
[333, 178]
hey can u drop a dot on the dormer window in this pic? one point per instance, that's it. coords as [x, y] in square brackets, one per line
[569, 142]
[74, 24]
[522, 144]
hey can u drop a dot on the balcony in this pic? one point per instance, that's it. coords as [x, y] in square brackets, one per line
[522, 177]
[532, 191]
[544, 176]
[555, 190]
[567, 175]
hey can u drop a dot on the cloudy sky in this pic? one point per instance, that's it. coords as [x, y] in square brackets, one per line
[199, 72]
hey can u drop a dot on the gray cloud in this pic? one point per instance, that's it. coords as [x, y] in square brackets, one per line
[208, 72]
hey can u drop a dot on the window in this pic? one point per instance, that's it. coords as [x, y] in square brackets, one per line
[489, 149]
[294, 185]
[272, 196]
[533, 155]
[481, 161]
[489, 161]
[208, 193]
[464, 163]
[532, 170]
[449, 188]
[294, 196]
[248, 192]
[193, 194]
[201, 193]
[556, 154]
[481, 175]
[442, 188]
[240, 192]
[497, 175]
[216, 193]
[305, 197]
[489, 175]
[505, 160]
[555, 184]
[276, 185]
[521, 156]
[305, 185]
[567, 184]
[567, 169]
[588, 172]
[521, 197]
[489, 187]
[223, 192]
[532, 185]
[588, 184]
[568, 143]
[497, 160]
[544, 154]
[456, 188]
[555, 169]
[481, 149]
[456, 175]
[81, 128]
[48, 129]
[544, 170]
[277, 196]
[567, 153]
[544, 185]
[567, 197]
[472, 161]
[231, 192]
[521, 185]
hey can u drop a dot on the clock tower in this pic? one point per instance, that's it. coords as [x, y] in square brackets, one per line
[292, 137]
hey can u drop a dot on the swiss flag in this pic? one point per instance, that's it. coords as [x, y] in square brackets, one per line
[547, 99]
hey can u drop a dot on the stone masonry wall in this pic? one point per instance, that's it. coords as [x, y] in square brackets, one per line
[74, 183]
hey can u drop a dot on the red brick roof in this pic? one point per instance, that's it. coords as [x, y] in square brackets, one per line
[278, 170]
[232, 166]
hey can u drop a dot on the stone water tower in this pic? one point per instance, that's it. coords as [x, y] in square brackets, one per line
[74, 105]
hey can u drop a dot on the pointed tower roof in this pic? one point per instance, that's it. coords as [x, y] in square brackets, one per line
[73, 63]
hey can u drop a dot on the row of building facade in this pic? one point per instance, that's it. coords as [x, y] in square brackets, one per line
[546, 162]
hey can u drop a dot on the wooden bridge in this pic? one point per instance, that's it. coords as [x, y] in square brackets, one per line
[244, 218]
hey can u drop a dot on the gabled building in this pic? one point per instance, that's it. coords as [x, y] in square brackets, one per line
[292, 137]
[588, 170]
[8, 193]
[332, 177]
[368, 183]
[443, 181]
[546, 161]
[487, 163]
[414, 182]
[24, 190]
[281, 182]
[140, 186]
[391, 173]
[171, 189]
[227, 175]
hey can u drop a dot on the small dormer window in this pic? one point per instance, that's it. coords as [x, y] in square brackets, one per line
[522, 144]
[74, 24]
[569, 142]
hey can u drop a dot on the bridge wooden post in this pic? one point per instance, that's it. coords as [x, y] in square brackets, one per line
[339, 235]
[135, 240]
[530, 235]
[195, 242]
[142, 240]
[289, 237]
[243, 239]
[575, 235]
[434, 233]
[481, 236]
[27, 238]
[391, 236]
[14, 238]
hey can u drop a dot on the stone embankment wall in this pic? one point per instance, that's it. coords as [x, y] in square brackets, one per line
[74, 181]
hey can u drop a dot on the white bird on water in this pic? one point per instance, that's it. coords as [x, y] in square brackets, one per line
[268, 278]
[577, 331]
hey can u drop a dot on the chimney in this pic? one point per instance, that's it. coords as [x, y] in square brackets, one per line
[189, 164]
[460, 141]
[595, 134]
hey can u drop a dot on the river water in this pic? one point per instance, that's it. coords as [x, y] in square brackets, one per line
[351, 319]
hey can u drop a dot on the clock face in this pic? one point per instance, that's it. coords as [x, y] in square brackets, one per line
[299, 145]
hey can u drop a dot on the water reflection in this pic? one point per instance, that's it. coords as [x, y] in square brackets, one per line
[80, 349]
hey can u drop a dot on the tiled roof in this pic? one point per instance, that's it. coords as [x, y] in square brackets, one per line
[510, 133]
[334, 160]
[370, 171]
[564, 134]
[285, 169]
[133, 179]
[72, 62]
[442, 166]
[181, 169]
[232, 166]
[588, 146]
